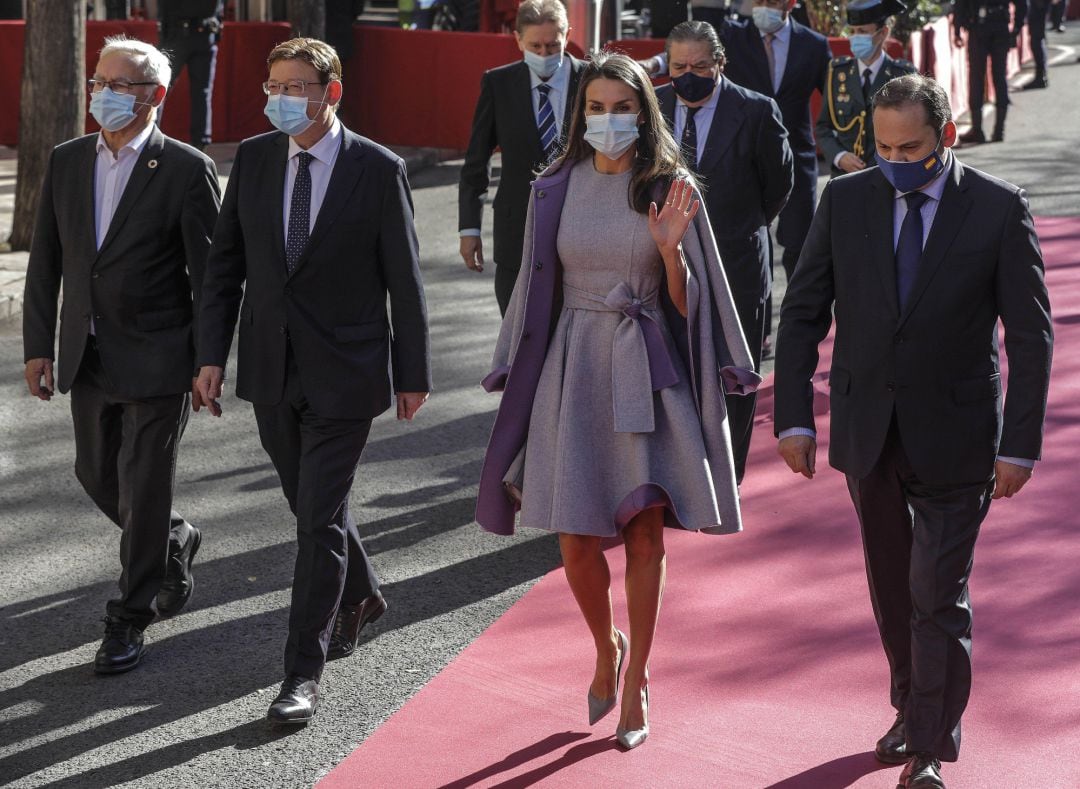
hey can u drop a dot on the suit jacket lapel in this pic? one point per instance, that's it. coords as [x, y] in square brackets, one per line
[756, 46]
[273, 186]
[348, 168]
[146, 168]
[880, 209]
[522, 93]
[576, 67]
[791, 64]
[726, 120]
[667, 106]
[950, 215]
[88, 229]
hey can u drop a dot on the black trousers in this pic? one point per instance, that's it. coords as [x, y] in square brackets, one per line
[986, 43]
[316, 460]
[1036, 22]
[741, 408]
[195, 48]
[125, 459]
[505, 277]
[798, 213]
[1057, 13]
[919, 544]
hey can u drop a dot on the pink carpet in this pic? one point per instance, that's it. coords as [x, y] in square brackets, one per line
[767, 670]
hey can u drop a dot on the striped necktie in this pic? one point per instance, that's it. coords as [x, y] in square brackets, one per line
[299, 212]
[545, 122]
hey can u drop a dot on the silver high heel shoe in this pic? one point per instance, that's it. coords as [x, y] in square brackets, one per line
[632, 738]
[598, 708]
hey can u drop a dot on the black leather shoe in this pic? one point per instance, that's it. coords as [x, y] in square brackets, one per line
[121, 650]
[891, 749]
[1036, 84]
[973, 136]
[923, 771]
[348, 623]
[296, 703]
[179, 583]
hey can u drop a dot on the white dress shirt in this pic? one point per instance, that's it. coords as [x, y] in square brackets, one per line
[934, 191]
[702, 119]
[780, 44]
[875, 69]
[557, 97]
[325, 153]
[111, 176]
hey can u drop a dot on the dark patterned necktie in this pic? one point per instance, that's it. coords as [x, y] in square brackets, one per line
[867, 92]
[689, 138]
[545, 122]
[299, 212]
[909, 247]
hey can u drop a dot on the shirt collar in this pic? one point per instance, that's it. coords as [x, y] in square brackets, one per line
[874, 67]
[135, 144]
[558, 81]
[936, 187]
[325, 149]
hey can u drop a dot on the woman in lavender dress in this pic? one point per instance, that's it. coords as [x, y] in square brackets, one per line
[614, 356]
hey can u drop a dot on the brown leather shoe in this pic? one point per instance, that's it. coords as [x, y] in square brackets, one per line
[891, 749]
[923, 771]
[350, 620]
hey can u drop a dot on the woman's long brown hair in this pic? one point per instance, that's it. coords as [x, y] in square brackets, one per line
[658, 156]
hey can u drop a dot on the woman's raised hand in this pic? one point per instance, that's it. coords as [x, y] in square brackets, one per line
[668, 225]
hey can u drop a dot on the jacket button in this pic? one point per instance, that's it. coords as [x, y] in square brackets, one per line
[540, 194]
[539, 265]
[899, 338]
[95, 275]
[288, 291]
[281, 329]
[890, 386]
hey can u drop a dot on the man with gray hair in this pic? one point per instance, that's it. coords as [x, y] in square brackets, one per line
[524, 109]
[917, 260]
[124, 228]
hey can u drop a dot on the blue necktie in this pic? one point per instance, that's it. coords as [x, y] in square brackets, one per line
[909, 247]
[299, 212]
[545, 122]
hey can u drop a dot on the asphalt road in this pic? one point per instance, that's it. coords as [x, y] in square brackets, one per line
[192, 713]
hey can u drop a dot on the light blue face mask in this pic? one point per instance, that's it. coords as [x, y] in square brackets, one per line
[768, 20]
[543, 66]
[113, 111]
[862, 46]
[289, 113]
[611, 134]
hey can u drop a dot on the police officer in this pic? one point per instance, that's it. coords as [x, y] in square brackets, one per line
[989, 36]
[844, 130]
[189, 34]
[1037, 31]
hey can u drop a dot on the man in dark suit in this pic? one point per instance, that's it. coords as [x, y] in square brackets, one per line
[735, 140]
[316, 233]
[918, 259]
[845, 133]
[523, 110]
[124, 226]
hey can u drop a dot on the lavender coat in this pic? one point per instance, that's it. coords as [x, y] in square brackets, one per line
[709, 339]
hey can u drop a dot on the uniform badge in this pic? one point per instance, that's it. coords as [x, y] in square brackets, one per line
[841, 76]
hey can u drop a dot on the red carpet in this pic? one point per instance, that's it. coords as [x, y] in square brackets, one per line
[767, 670]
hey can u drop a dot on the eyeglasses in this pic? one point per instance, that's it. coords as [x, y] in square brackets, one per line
[292, 87]
[121, 86]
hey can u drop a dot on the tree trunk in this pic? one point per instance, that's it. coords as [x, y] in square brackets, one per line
[308, 18]
[53, 103]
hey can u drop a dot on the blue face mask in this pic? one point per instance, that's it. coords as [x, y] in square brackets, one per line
[692, 87]
[288, 113]
[912, 176]
[543, 66]
[112, 111]
[768, 20]
[862, 46]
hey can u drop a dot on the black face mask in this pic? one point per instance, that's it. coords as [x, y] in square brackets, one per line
[692, 88]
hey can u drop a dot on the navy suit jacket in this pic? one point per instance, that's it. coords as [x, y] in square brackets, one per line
[807, 64]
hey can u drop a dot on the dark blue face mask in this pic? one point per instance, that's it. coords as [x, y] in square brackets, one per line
[692, 88]
[912, 176]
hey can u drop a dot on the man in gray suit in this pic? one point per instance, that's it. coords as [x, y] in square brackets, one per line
[316, 235]
[523, 110]
[124, 225]
[918, 259]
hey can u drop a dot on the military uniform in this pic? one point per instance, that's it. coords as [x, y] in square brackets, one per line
[989, 37]
[189, 34]
[845, 123]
